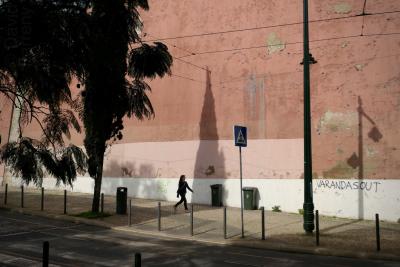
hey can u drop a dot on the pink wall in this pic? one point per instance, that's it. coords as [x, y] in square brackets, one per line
[256, 79]
[262, 159]
[261, 86]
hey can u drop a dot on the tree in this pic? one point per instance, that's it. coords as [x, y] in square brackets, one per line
[114, 79]
[101, 47]
[35, 72]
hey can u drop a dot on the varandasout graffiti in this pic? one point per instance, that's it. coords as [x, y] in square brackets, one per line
[349, 185]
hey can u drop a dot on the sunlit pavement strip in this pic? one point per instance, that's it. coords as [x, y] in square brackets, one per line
[164, 235]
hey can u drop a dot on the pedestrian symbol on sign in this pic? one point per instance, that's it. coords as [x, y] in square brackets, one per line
[240, 136]
[240, 139]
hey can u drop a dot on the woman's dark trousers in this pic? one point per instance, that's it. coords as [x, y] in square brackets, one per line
[183, 199]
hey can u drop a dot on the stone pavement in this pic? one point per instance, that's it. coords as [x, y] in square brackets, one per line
[284, 231]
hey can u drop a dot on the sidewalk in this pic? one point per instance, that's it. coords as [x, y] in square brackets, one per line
[284, 231]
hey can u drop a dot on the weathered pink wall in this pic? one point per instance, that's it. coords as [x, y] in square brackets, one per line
[256, 79]
[261, 85]
[265, 159]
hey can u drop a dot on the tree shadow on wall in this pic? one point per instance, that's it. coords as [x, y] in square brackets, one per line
[147, 188]
[129, 169]
[210, 161]
[356, 160]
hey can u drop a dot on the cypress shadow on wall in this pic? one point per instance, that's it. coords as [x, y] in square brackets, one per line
[210, 161]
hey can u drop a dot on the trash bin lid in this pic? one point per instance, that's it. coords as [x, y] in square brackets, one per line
[122, 189]
[215, 185]
[249, 188]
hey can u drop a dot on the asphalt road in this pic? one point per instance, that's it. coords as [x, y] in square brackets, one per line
[72, 244]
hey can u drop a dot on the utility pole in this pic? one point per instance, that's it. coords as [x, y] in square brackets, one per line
[308, 205]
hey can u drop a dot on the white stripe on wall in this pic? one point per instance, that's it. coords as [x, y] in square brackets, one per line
[347, 198]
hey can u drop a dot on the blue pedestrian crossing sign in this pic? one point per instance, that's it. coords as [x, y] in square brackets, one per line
[240, 135]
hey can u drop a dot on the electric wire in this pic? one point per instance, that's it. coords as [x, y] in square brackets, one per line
[190, 63]
[363, 14]
[299, 42]
[190, 53]
[290, 43]
[173, 45]
[271, 26]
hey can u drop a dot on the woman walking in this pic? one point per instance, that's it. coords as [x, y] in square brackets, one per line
[182, 192]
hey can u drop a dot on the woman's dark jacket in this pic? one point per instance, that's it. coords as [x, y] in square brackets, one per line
[182, 188]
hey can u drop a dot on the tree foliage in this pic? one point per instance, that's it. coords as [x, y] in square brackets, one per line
[97, 42]
[29, 158]
[36, 68]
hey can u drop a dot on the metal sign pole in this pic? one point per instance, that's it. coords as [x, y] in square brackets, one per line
[240, 134]
[241, 190]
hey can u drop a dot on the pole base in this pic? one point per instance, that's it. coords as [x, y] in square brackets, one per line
[308, 217]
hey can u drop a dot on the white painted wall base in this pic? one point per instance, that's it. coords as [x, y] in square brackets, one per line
[342, 198]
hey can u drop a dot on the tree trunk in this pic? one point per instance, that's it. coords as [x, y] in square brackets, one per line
[97, 184]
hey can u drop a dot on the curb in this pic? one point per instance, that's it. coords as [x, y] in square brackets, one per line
[273, 247]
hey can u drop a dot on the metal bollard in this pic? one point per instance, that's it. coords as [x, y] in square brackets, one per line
[191, 219]
[130, 212]
[138, 260]
[317, 227]
[262, 223]
[378, 236]
[22, 196]
[225, 223]
[102, 203]
[42, 200]
[159, 216]
[45, 259]
[5, 195]
[65, 201]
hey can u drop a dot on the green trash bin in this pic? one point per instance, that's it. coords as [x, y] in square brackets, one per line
[216, 195]
[122, 197]
[249, 198]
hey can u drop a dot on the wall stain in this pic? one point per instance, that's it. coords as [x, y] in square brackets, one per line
[254, 104]
[210, 170]
[251, 90]
[162, 186]
[335, 121]
[274, 44]
[359, 67]
[345, 44]
[371, 152]
[370, 167]
[114, 168]
[342, 8]
[340, 170]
